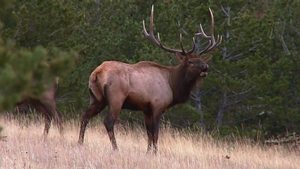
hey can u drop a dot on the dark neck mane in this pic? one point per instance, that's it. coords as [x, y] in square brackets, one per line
[181, 83]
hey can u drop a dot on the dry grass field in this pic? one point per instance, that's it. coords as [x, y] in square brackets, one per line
[24, 148]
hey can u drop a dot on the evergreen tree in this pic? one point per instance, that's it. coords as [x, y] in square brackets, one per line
[253, 83]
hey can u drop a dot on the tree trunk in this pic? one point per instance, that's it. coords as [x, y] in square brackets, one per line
[197, 95]
[222, 107]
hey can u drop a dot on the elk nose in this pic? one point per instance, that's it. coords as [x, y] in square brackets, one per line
[205, 67]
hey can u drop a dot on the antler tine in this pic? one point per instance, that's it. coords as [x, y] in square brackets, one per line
[181, 45]
[212, 25]
[220, 40]
[212, 42]
[157, 41]
[206, 48]
[202, 33]
[150, 35]
[151, 21]
[193, 48]
[144, 29]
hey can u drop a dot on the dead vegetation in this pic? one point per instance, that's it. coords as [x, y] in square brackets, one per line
[25, 148]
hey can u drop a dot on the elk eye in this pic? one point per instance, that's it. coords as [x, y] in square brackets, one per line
[190, 62]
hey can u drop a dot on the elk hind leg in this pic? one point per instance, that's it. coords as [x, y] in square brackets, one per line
[109, 123]
[115, 102]
[94, 108]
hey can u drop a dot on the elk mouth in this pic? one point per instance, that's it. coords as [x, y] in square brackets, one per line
[204, 70]
[203, 74]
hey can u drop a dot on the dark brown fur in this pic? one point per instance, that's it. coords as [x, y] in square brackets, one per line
[46, 105]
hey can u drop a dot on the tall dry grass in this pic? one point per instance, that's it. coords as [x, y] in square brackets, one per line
[24, 148]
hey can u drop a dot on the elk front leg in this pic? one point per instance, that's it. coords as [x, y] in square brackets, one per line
[152, 126]
[50, 107]
[48, 119]
[47, 115]
[149, 128]
[92, 110]
[59, 123]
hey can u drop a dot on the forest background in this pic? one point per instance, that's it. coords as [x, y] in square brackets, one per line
[253, 87]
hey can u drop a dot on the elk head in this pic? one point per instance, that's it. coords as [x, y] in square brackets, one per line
[194, 64]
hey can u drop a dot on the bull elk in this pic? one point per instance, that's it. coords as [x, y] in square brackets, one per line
[46, 105]
[146, 86]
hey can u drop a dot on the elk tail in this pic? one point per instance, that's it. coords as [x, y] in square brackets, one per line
[95, 89]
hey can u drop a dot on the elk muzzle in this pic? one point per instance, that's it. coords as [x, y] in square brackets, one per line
[204, 70]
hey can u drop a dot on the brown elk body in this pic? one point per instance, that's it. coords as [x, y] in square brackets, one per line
[45, 104]
[145, 86]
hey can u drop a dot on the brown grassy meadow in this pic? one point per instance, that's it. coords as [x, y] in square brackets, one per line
[24, 147]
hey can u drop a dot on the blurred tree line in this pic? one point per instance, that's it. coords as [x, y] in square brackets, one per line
[252, 88]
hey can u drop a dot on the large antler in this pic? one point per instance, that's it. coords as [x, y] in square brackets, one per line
[212, 42]
[157, 40]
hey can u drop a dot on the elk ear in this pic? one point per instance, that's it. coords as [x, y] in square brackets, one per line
[180, 57]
